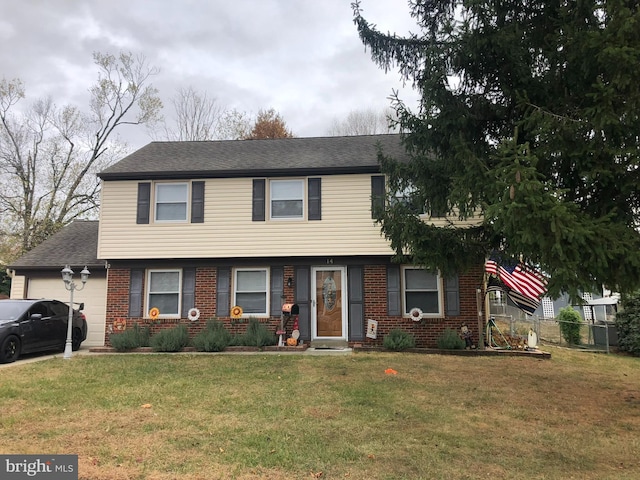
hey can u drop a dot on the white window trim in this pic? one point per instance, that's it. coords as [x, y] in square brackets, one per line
[148, 291]
[304, 200]
[155, 202]
[440, 290]
[265, 314]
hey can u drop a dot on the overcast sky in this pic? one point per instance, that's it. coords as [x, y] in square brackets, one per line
[301, 57]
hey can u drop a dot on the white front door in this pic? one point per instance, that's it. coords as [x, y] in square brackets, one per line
[329, 303]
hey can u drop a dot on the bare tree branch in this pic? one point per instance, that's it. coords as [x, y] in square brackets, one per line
[49, 154]
[364, 122]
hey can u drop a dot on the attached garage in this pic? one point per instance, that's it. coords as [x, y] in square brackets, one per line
[93, 295]
[37, 274]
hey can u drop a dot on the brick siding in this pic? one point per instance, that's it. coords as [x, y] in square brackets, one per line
[426, 331]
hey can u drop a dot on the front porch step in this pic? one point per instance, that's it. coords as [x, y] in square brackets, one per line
[329, 344]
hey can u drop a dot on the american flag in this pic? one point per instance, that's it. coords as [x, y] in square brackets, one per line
[515, 275]
[524, 303]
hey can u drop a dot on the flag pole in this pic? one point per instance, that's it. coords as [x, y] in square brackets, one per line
[479, 302]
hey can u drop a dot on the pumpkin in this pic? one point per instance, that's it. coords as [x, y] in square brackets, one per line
[292, 342]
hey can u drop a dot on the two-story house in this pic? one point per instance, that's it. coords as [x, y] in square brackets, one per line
[260, 223]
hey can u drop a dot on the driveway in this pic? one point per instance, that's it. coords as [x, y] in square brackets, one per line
[37, 357]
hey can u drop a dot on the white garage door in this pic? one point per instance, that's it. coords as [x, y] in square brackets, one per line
[94, 296]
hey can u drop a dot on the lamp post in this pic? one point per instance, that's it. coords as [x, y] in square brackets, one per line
[69, 284]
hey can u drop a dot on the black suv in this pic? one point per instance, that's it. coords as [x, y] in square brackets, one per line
[28, 326]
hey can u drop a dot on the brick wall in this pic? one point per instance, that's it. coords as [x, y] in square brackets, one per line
[205, 299]
[426, 331]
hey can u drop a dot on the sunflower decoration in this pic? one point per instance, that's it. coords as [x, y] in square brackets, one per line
[236, 312]
[154, 313]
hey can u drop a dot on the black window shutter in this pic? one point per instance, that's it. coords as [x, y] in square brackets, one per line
[377, 194]
[315, 199]
[223, 293]
[452, 295]
[258, 200]
[356, 302]
[144, 203]
[136, 284]
[302, 298]
[188, 290]
[277, 290]
[197, 202]
[394, 304]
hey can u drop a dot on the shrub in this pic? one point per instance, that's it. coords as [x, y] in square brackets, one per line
[257, 335]
[398, 340]
[628, 325]
[450, 340]
[214, 338]
[129, 339]
[570, 322]
[172, 340]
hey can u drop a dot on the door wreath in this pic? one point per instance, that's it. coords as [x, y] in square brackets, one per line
[194, 314]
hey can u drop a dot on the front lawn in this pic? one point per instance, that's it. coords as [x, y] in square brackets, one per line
[195, 416]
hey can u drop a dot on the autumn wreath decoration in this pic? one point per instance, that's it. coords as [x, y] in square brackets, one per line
[193, 314]
[415, 314]
[236, 312]
[154, 313]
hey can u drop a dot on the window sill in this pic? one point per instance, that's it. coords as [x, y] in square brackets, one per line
[151, 321]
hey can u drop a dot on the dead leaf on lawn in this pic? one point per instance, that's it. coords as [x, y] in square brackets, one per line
[146, 405]
[390, 371]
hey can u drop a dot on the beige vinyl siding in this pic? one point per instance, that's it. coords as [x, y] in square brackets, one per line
[18, 284]
[346, 227]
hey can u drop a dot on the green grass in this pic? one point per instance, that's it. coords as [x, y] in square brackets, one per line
[299, 416]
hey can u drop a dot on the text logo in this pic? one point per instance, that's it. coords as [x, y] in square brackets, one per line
[45, 467]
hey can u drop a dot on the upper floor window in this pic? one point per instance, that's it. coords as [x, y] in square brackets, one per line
[423, 290]
[171, 202]
[411, 200]
[251, 287]
[163, 291]
[287, 198]
[407, 197]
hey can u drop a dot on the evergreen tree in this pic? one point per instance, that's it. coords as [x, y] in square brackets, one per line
[529, 119]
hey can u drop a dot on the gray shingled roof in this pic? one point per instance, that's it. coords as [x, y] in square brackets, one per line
[75, 245]
[242, 158]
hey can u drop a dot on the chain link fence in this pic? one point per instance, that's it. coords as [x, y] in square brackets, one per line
[594, 335]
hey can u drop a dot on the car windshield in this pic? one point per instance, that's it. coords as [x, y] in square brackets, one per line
[11, 310]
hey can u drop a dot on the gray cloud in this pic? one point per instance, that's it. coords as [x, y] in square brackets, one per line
[302, 58]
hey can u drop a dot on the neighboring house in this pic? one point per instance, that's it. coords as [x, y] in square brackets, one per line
[596, 307]
[37, 274]
[260, 223]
